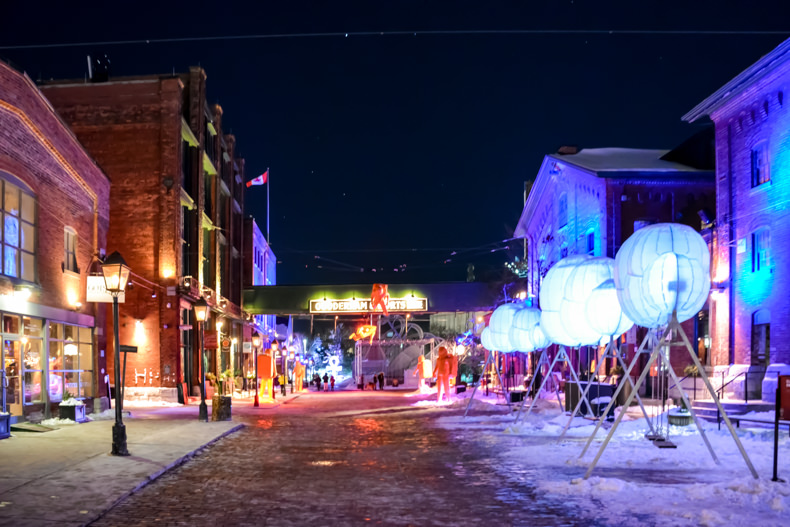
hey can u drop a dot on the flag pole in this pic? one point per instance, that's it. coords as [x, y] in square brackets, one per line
[268, 186]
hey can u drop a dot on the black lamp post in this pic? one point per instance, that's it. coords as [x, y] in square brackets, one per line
[116, 275]
[201, 311]
[256, 342]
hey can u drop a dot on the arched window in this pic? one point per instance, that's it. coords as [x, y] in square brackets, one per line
[19, 210]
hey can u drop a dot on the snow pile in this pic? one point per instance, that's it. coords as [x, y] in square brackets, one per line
[56, 422]
[71, 402]
[634, 479]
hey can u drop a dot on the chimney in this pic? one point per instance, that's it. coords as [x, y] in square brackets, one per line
[568, 150]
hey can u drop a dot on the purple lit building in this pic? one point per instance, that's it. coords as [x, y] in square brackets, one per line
[590, 201]
[751, 263]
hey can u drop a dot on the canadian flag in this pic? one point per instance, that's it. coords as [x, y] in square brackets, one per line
[260, 180]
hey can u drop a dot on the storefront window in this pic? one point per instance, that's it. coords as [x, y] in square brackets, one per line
[70, 361]
[33, 391]
[10, 324]
[33, 327]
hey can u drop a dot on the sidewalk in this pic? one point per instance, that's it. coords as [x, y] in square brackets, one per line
[67, 476]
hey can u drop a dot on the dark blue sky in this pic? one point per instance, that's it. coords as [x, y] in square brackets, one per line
[396, 149]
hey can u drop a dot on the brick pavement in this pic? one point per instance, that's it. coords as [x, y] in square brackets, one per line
[348, 458]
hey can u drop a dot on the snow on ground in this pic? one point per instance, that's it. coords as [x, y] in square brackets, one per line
[634, 481]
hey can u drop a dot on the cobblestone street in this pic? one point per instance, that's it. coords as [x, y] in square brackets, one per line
[343, 458]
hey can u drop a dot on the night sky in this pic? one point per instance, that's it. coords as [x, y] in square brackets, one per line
[398, 149]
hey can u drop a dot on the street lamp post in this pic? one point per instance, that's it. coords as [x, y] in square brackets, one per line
[116, 275]
[201, 311]
[256, 342]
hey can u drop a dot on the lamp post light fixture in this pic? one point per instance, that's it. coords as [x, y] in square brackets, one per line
[116, 275]
[256, 342]
[201, 312]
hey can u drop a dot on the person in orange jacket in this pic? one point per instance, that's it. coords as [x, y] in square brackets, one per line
[442, 371]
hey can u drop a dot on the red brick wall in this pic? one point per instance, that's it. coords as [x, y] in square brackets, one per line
[758, 113]
[133, 129]
[37, 148]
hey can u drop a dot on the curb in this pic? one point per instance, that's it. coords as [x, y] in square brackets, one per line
[178, 462]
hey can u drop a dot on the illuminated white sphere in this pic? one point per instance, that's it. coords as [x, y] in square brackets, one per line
[604, 313]
[539, 338]
[551, 299]
[585, 277]
[524, 322]
[659, 269]
[500, 323]
[485, 339]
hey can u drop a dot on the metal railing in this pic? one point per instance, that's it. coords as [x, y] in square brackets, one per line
[720, 390]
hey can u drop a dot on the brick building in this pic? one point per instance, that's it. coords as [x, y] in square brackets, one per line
[55, 210]
[590, 201]
[751, 266]
[176, 217]
[260, 268]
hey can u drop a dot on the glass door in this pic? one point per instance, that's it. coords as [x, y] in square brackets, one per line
[12, 365]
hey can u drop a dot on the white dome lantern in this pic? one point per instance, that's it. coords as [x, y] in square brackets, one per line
[551, 299]
[539, 338]
[485, 339]
[662, 268]
[604, 313]
[500, 324]
[581, 282]
[524, 322]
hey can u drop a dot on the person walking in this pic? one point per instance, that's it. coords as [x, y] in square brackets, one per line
[332, 382]
[282, 384]
[381, 380]
[326, 382]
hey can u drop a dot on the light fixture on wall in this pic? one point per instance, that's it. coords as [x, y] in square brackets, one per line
[22, 292]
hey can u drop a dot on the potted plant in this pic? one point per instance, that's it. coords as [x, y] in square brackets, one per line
[679, 416]
[71, 408]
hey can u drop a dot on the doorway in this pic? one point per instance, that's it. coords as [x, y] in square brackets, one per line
[12, 365]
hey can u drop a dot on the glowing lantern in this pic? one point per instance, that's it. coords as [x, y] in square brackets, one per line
[485, 339]
[552, 292]
[500, 323]
[585, 277]
[604, 313]
[659, 269]
[524, 322]
[539, 338]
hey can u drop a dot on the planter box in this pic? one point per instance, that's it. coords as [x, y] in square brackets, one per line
[679, 419]
[220, 408]
[75, 413]
[5, 426]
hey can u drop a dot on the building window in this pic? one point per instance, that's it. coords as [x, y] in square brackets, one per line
[70, 361]
[562, 211]
[761, 172]
[761, 250]
[591, 243]
[19, 232]
[70, 245]
[761, 338]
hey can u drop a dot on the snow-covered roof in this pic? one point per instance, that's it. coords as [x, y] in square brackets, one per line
[765, 66]
[602, 160]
